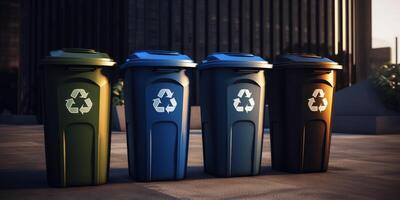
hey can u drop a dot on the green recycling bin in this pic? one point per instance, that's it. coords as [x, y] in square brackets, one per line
[77, 117]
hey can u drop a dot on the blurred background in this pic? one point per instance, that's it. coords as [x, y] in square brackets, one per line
[359, 34]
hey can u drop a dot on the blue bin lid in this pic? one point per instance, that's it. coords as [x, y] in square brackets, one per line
[305, 61]
[158, 58]
[234, 60]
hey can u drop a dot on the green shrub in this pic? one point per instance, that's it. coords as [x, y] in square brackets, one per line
[387, 81]
[118, 93]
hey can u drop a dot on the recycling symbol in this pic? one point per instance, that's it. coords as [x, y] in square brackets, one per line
[314, 108]
[236, 102]
[157, 101]
[83, 95]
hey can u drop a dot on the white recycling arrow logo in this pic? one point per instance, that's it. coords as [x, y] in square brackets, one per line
[84, 108]
[165, 92]
[314, 108]
[236, 102]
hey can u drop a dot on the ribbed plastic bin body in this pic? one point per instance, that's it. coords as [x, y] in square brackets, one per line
[77, 117]
[232, 110]
[157, 113]
[301, 112]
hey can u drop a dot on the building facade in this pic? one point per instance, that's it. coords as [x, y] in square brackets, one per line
[9, 55]
[195, 27]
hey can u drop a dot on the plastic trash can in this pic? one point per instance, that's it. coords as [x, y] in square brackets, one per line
[301, 112]
[157, 114]
[232, 92]
[77, 117]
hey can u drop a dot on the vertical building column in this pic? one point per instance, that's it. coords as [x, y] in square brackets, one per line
[363, 37]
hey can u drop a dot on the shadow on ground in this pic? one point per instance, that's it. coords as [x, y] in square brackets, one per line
[31, 179]
[22, 178]
[197, 172]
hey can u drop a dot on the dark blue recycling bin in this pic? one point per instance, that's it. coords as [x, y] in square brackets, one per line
[232, 93]
[157, 114]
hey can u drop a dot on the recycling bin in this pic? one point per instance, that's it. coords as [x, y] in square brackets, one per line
[232, 93]
[157, 111]
[77, 114]
[301, 112]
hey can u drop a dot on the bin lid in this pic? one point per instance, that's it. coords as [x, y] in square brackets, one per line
[158, 58]
[77, 56]
[234, 60]
[305, 61]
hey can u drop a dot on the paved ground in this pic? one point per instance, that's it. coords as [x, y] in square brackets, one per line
[361, 167]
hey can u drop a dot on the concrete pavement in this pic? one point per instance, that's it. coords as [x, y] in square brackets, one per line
[361, 167]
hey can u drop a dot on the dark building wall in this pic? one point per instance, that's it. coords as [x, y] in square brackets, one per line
[379, 57]
[363, 39]
[263, 27]
[9, 34]
[48, 25]
[195, 27]
[9, 54]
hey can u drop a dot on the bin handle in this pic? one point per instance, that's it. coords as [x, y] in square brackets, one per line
[322, 71]
[247, 70]
[81, 69]
[166, 70]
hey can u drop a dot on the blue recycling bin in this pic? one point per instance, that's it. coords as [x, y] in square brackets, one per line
[157, 111]
[232, 96]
